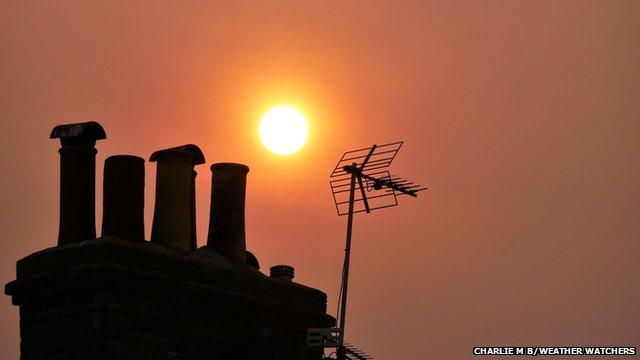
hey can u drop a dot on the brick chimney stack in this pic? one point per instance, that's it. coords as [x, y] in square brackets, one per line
[121, 297]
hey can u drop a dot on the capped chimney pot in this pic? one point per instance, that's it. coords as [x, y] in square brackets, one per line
[84, 132]
[189, 149]
[226, 219]
[77, 179]
[174, 217]
[282, 272]
[123, 197]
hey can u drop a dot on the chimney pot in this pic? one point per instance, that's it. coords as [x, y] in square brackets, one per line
[77, 180]
[226, 222]
[174, 218]
[123, 197]
[282, 272]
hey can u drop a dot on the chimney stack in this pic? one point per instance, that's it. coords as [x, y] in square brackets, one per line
[77, 180]
[174, 217]
[226, 222]
[123, 197]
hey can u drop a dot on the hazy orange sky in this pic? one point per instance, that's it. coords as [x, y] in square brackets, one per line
[522, 117]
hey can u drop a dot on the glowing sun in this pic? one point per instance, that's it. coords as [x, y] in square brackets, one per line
[283, 130]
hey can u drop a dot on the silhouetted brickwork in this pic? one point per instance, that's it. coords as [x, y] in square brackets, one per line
[113, 299]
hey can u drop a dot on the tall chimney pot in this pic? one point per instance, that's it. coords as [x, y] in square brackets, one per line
[174, 217]
[123, 197]
[226, 222]
[77, 180]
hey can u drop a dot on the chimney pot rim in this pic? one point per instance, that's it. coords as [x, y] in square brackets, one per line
[283, 272]
[125, 156]
[87, 130]
[187, 149]
[223, 165]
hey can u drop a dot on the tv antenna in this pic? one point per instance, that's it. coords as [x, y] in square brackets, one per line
[357, 173]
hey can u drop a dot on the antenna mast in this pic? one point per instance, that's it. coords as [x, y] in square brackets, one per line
[357, 173]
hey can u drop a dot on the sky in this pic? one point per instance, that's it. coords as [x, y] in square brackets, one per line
[522, 118]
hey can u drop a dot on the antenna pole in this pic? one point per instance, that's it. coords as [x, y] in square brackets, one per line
[347, 254]
[370, 164]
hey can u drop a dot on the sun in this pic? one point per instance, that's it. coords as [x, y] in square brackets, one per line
[283, 130]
